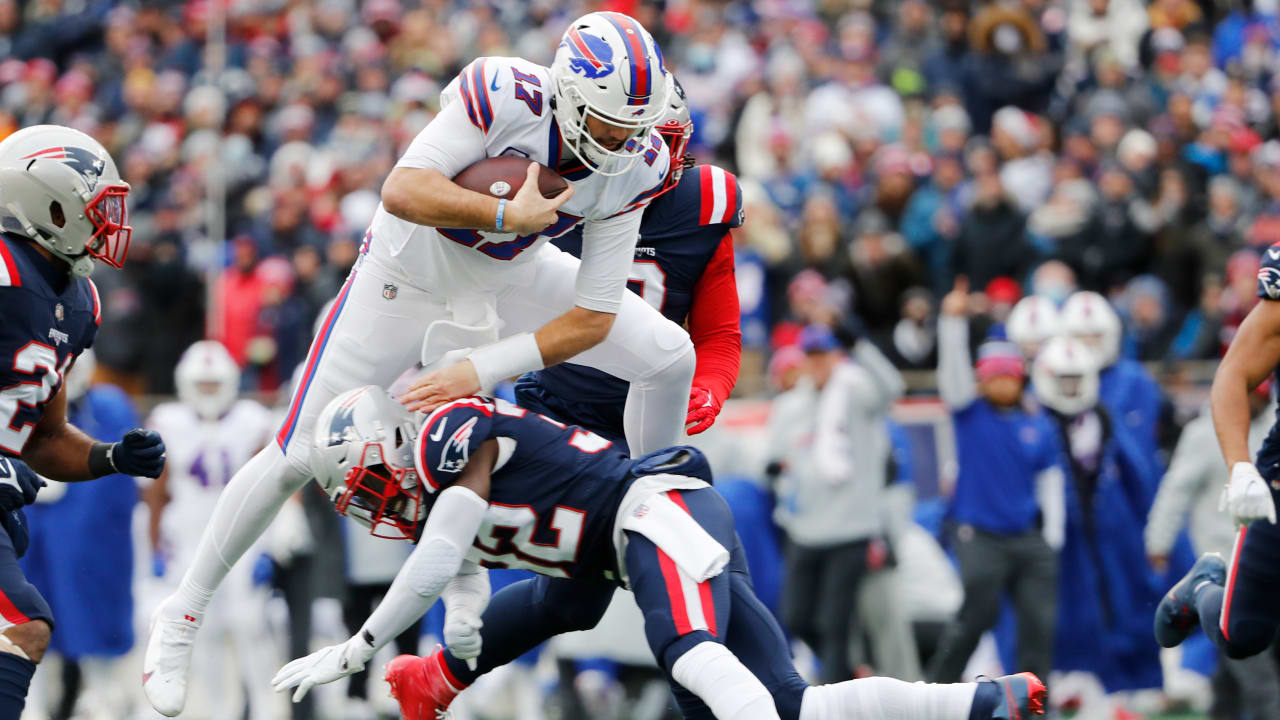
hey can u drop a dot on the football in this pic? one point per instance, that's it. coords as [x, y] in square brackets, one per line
[502, 177]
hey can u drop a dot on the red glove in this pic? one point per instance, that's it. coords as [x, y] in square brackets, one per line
[703, 409]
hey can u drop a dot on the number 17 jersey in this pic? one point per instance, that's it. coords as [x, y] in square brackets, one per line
[499, 106]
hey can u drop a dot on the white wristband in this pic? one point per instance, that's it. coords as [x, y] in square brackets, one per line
[506, 358]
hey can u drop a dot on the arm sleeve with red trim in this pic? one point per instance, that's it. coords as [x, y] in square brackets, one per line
[715, 324]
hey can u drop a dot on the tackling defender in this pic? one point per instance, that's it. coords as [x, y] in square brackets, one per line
[684, 268]
[1236, 602]
[488, 483]
[467, 268]
[62, 207]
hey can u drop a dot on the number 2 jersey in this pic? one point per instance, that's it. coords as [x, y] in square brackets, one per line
[49, 318]
[555, 492]
[500, 106]
[683, 266]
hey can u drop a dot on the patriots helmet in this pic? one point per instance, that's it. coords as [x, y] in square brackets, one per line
[449, 437]
[60, 188]
[608, 67]
[1065, 376]
[1088, 317]
[676, 127]
[362, 457]
[1031, 323]
[207, 379]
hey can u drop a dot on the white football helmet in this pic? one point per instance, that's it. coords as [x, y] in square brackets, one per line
[1065, 376]
[207, 378]
[60, 188]
[1031, 323]
[80, 377]
[362, 456]
[1088, 317]
[608, 67]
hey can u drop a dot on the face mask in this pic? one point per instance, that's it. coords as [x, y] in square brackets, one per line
[1057, 292]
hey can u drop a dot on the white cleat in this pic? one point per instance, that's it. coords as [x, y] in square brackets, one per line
[168, 658]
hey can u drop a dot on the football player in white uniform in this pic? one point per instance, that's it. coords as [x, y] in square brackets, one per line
[212, 434]
[470, 269]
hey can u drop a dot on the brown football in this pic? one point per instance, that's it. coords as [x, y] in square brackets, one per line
[502, 176]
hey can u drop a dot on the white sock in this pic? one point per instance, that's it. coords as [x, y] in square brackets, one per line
[887, 699]
[244, 510]
[657, 405]
[720, 680]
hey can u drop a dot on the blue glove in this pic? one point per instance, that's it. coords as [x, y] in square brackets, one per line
[18, 484]
[264, 570]
[139, 452]
[14, 522]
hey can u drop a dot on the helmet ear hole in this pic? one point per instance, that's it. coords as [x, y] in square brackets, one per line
[56, 214]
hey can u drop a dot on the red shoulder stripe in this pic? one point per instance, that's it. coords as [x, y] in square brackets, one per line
[708, 195]
[9, 276]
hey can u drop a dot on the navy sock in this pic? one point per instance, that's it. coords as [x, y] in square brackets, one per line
[1208, 601]
[985, 699]
[15, 678]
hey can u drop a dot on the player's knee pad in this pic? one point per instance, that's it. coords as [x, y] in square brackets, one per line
[675, 361]
[720, 680]
[27, 640]
[1248, 638]
[285, 474]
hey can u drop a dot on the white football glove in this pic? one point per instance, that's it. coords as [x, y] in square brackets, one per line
[465, 598]
[324, 666]
[1247, 496]
[462, 634]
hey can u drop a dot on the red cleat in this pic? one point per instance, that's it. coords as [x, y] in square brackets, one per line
[1022, 695]
[423, 686]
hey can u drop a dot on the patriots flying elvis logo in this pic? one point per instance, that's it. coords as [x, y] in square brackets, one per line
[592, 56]
[1269, 281]
[88, 165]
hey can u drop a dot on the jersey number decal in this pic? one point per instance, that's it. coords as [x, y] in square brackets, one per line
[506, 539]
[649, 282]
[29, 393]
[532, 98]
[211, 473]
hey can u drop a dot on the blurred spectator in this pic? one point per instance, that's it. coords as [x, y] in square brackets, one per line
[1011, 64]
[834, 449]
[992, 239]
[1005, 533]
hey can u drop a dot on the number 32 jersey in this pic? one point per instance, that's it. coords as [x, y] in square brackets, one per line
[48, 319]
[500, 106]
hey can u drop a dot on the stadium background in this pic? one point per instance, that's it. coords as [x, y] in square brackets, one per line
[882, 148]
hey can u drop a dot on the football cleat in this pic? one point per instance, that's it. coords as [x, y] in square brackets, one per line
[1021, 696]
[1176, 615]
[167, 660]
[423, 686]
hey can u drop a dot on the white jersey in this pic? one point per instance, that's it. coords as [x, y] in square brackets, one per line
[202, 457]
[502, 106]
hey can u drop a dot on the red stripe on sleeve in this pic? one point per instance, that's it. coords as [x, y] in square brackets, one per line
[10, 612]
[708, 195]
[715, 324]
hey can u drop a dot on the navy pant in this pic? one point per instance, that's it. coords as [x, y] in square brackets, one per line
[722, 609]
[1241, 618]
[20, 602]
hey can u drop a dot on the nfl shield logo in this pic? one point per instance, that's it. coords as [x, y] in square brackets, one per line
[58, 312]
[389, 291]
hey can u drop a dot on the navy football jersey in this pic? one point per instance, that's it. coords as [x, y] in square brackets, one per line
[1269, 291]
[679, 234]
[552, 503]
[49, 318]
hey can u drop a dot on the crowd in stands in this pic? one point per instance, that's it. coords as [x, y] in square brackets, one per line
[885, 146]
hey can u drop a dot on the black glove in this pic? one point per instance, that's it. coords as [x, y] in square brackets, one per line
[14, 522]
[18, 484]
[139, 452]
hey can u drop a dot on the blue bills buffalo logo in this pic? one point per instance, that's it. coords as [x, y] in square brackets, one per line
[592, 56]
